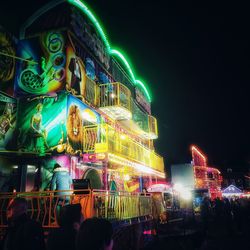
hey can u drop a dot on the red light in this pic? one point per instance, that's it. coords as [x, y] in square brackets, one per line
[198, 157]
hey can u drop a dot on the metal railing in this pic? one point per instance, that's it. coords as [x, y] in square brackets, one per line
[152, 122]
[203, 180]
[114, 94]
[91, 93]
[114, 101]
[104, 138]
[44, 206]
[121, 205]
[139, 117]
[112, 98]
[156, 161]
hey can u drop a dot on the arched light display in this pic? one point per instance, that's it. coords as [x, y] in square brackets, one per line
[99, 28]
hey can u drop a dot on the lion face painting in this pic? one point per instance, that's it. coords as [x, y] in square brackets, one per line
[74, 126]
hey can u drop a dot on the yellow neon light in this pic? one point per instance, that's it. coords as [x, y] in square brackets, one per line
[139, 167]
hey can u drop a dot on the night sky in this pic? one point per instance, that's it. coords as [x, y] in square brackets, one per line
[194, 58]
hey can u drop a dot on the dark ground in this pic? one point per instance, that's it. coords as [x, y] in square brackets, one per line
[189, 235]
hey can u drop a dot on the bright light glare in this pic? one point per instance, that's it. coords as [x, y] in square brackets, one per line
[126, 177]
[90, 117]
[186, 195]
[178, 187]
[123, 137]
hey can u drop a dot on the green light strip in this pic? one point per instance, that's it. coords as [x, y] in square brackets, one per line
[111, 51]
[138, 82]
[89, 13]
[119, 54]
[115, 52]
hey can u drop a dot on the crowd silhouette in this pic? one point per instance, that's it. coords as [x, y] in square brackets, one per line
[74, 233]
[225, 223]
[222, 224]
[231, 214]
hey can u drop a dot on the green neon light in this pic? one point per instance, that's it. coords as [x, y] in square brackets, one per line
[115, 52]
[89, 13]
[119, 54]
[138, 82]
[111, 51]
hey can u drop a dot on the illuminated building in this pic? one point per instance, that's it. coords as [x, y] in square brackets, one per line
[205, 177]
[79, 104]
[197, 176]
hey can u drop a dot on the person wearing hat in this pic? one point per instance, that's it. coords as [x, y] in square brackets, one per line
[61, 181]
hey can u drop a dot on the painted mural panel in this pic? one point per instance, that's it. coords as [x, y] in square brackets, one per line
[7, 62]
[92, 65]
[76, 74]
[55, 61]
[42, 124]
[42, 68]
[78, 116]
[80, 68]
[7, 121]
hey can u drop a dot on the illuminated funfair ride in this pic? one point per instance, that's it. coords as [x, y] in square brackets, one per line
[205, 177]
[78, 103]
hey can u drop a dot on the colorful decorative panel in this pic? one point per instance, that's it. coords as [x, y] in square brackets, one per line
[75, 72]
[78, 116]
[42, 123]
[7, 120]
[41, 69]
[7, 62]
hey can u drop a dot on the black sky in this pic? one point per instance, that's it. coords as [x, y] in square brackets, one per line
[194, 57]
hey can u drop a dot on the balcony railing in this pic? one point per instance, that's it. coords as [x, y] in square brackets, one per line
[114, 100]
[42, 206]
[91, 93]
[142, 124]
[206, 177]
[104, 138]
[157, 162]
[153, 130]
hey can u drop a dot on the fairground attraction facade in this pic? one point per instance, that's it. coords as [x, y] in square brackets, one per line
[76, 102]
